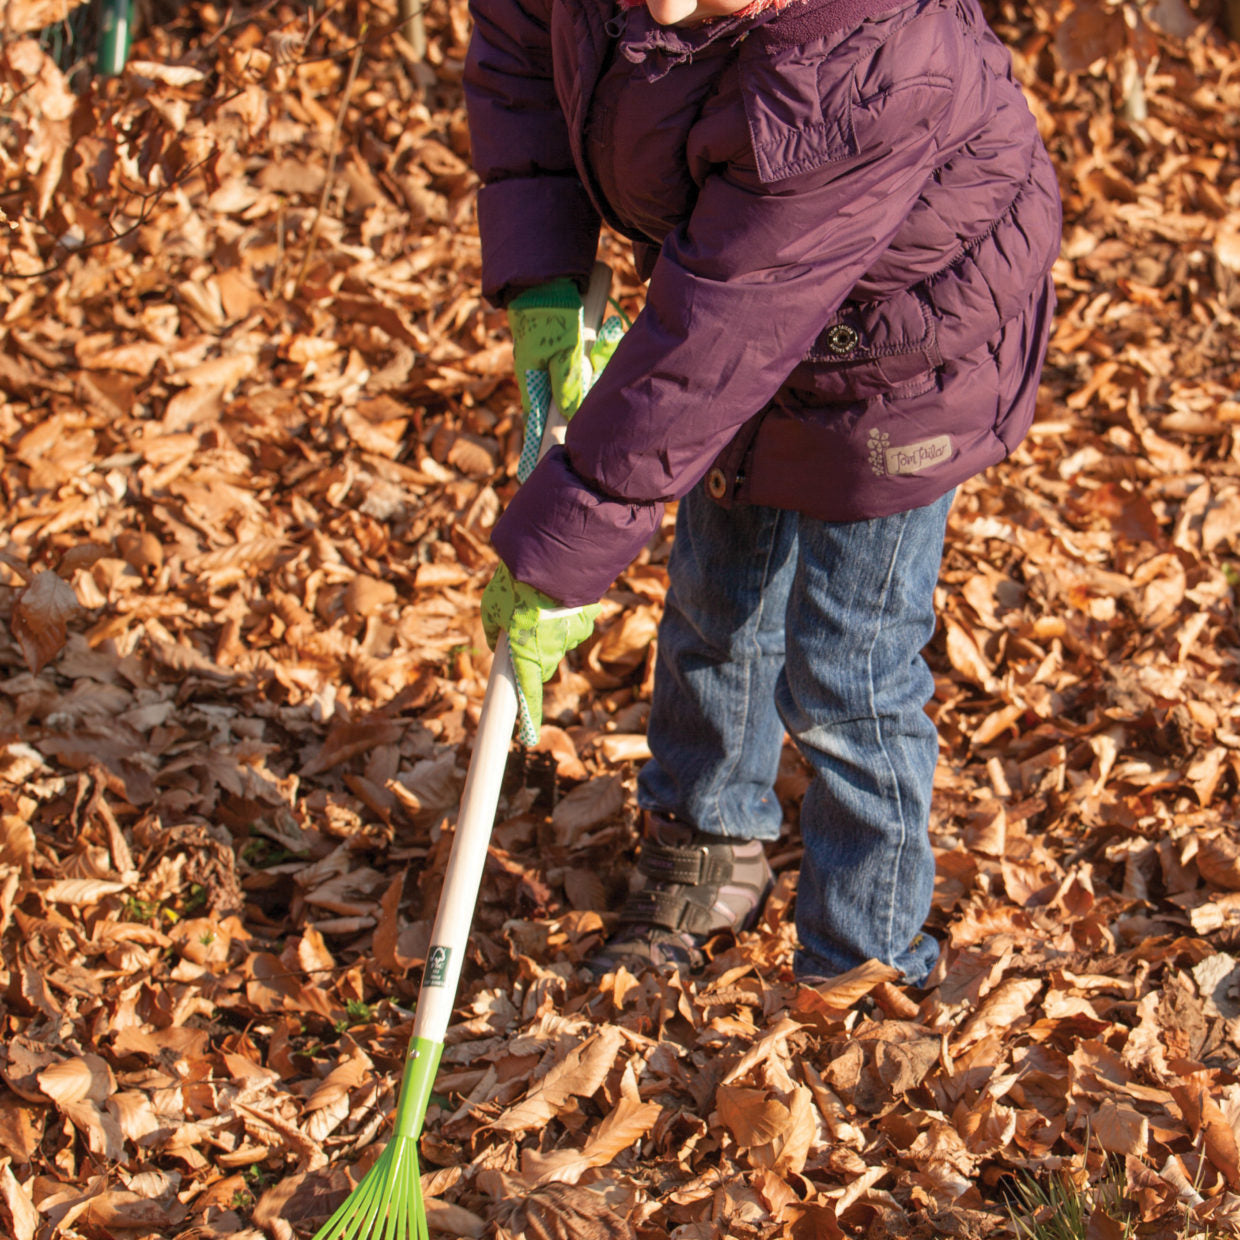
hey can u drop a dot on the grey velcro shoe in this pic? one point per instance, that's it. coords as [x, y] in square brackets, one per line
[689, 886]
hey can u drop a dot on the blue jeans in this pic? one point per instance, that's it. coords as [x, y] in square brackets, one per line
[777, 621]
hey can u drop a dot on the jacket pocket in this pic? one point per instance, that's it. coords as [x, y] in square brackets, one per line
[868, 349]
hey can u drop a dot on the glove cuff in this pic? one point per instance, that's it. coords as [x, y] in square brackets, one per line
[528, 596]
[555, 294]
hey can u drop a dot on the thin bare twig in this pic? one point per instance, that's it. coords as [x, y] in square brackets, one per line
[329, 181]
[149, 201]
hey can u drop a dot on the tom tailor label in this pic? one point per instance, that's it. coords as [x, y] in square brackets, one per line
[437, 966]
[887, 458]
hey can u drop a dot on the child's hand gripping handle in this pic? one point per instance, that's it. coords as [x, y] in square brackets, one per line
[480, 799]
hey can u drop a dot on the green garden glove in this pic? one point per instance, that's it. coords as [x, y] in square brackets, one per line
[537, 642]
[547, 326]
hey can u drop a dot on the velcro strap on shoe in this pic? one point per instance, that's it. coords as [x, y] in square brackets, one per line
[672, 910]
[693, 866]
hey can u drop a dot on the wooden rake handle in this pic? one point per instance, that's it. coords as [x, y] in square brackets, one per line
[480, 800]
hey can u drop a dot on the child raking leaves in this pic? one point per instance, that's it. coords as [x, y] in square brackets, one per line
[847, 219]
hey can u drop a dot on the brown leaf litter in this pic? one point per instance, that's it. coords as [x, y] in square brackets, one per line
[256, 423]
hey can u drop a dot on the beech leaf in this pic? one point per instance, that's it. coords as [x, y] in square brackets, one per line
[41, 618]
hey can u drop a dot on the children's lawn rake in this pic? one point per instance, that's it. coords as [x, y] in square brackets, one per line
[387, 1204]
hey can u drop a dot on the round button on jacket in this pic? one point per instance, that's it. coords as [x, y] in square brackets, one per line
[842, 339]
[716, 484]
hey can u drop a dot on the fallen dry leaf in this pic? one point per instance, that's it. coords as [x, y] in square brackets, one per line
[41, 618]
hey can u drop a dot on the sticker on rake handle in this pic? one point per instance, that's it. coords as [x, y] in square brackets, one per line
[437, 967]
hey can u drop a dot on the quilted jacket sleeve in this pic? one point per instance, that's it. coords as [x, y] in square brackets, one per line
[535, 218]
[738, 295]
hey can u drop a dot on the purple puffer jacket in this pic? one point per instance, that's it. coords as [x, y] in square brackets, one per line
[848, 221]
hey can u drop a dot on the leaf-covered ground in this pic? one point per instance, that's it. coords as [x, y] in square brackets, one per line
[255, 423]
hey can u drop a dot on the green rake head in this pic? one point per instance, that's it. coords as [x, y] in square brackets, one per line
[388, 1203]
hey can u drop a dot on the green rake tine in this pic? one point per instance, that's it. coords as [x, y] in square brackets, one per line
[392, 1221]
[374, 1182]
[413, 1194]
[345, 1223]
[372, 1201]
[335, 1226]
[384, 1195]
[391, 1185]
[358, 1218]
[421, 1228]
[399, 1217]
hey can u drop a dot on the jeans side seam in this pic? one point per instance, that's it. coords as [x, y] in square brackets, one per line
[898, 798]
[759, 614]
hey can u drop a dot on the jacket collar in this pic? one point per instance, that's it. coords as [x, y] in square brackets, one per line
[660, 48]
